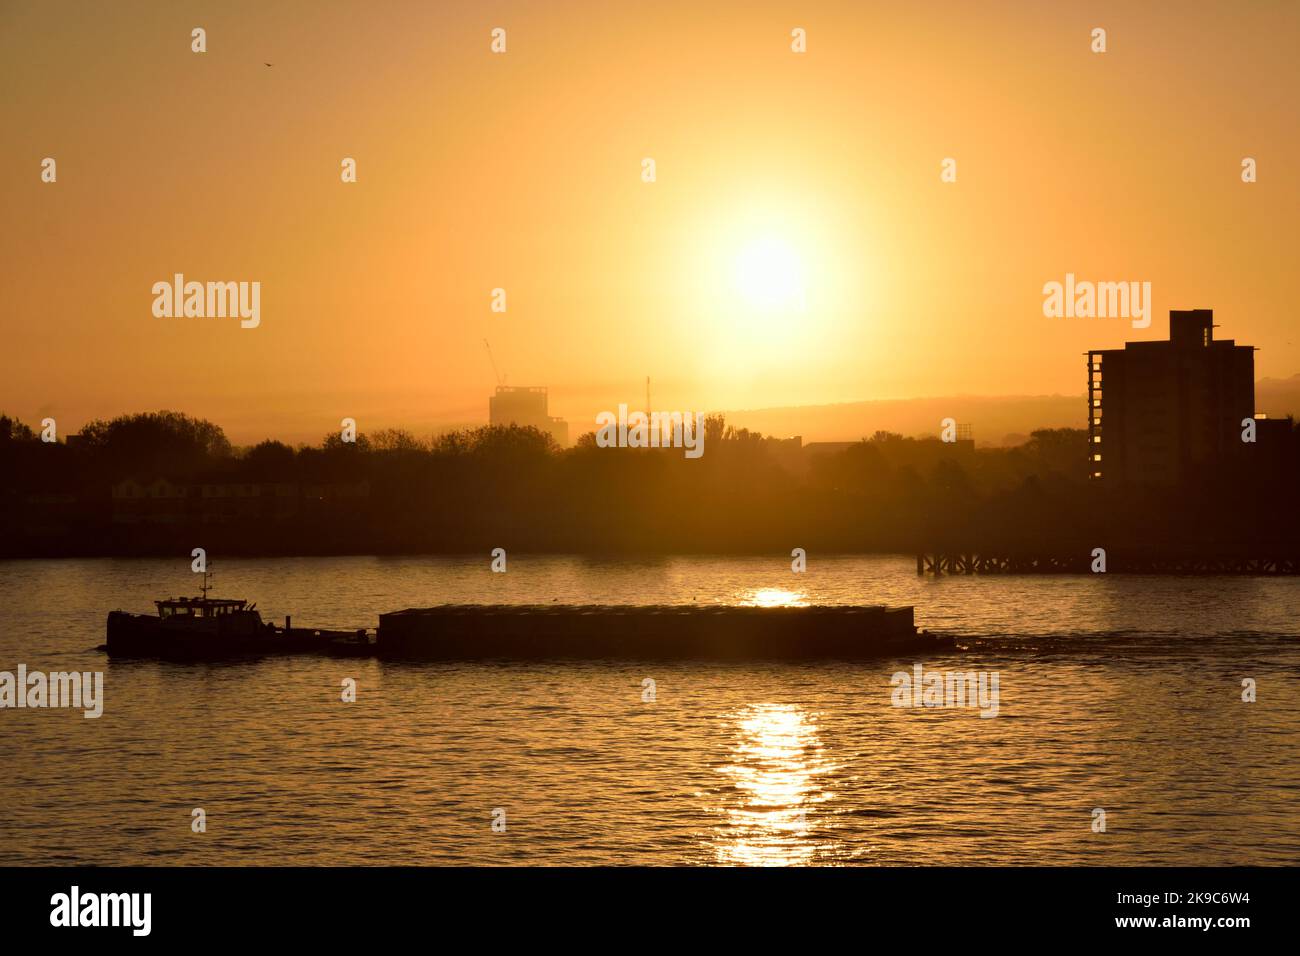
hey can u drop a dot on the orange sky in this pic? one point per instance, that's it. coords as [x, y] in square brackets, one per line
[523, 171]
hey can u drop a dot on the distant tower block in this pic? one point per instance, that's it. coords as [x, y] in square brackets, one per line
[525, 406]
[965, 432]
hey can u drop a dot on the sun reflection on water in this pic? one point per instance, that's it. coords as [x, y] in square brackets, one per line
[768, 814]
[774, 597]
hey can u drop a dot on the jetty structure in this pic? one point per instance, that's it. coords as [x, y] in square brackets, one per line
[651, 632]
[1118, 561]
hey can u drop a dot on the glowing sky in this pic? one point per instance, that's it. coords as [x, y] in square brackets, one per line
[818, 173]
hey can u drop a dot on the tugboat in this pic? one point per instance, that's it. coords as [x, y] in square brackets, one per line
[207, 628]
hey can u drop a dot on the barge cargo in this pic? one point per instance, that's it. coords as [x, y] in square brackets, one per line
[651, 632]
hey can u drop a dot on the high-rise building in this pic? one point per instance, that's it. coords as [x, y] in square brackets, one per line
[1159, 412]
[526, 405]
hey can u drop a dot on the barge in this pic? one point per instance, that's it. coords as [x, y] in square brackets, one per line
[651, 632]
[208, 628]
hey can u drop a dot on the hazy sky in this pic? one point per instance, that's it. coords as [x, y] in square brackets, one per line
[797, 245]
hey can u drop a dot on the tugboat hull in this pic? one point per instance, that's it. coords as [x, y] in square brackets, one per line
[142, 635]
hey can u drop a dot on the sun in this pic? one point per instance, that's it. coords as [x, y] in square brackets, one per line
[763, 285]
[769, 274]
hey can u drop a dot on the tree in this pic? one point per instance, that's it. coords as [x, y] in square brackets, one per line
[396, 439]
[154, 443]
[11, 429]
[270, 460]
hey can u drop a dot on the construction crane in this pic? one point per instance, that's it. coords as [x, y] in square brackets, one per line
[488, 346]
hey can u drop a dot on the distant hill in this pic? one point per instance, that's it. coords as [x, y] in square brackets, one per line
[1278, 397]
[995, 420]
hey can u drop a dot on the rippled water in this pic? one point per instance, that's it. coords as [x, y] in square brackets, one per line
[1119, 693]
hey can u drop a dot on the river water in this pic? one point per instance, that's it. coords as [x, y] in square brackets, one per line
[1119, 694]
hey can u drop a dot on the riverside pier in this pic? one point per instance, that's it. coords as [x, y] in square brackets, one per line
[1118, 561]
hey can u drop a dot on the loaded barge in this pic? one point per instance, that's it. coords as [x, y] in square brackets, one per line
[651, 632]
[207, 628]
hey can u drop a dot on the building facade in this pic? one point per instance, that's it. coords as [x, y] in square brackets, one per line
[1161, 412]
[525, 406]
[165, 502]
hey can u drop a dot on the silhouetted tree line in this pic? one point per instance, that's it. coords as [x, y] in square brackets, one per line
[477, 489]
